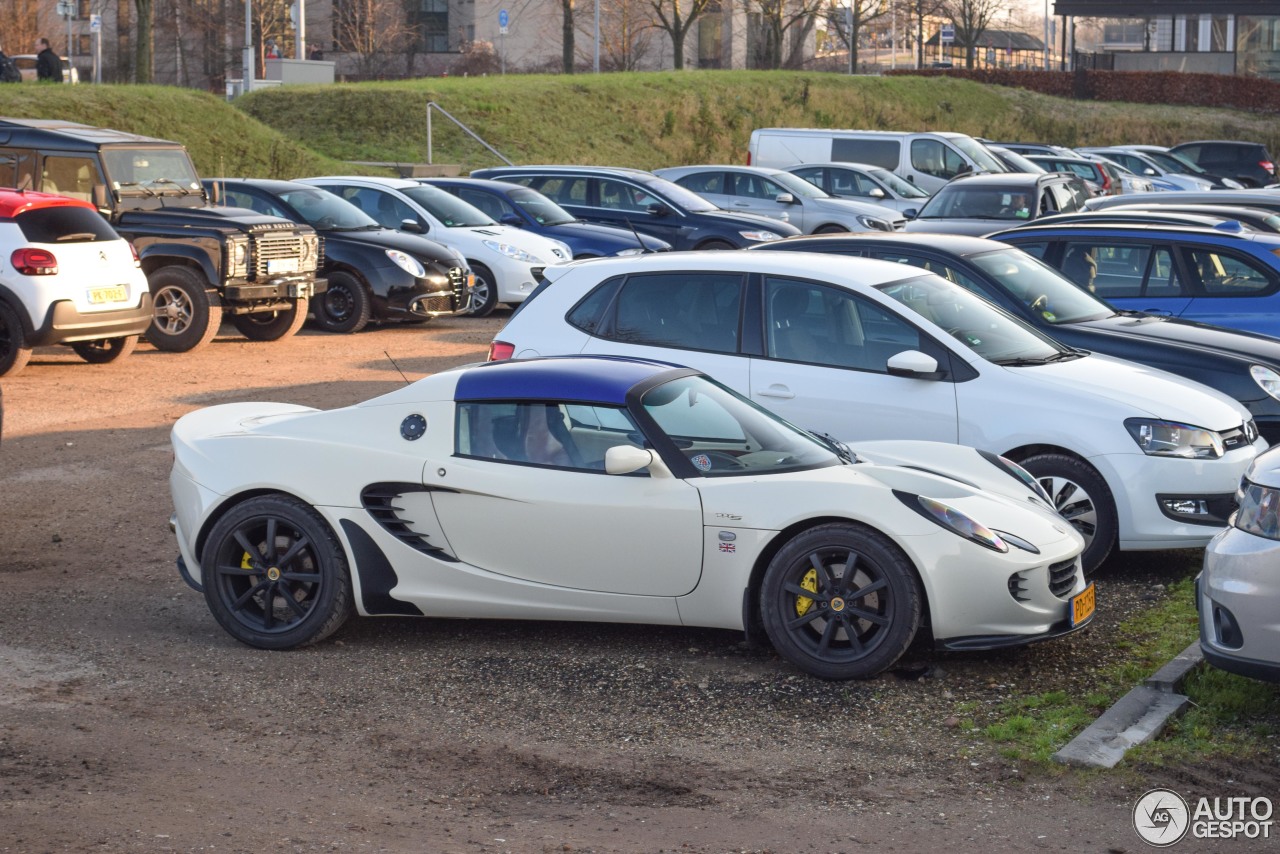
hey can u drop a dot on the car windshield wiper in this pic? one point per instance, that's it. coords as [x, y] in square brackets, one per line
[170, 183]
[840, 449]
[1024, 361]
[137, 186]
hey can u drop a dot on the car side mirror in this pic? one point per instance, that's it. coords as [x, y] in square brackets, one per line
[785, 199]
[1149, 171]
[876, 193]
[911, 213]
[100, 196]
[511, 220]
[657, 210]
[412, 226]
[625, 459]
[913, 363]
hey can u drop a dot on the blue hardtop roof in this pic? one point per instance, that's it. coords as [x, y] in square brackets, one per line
[580, 379]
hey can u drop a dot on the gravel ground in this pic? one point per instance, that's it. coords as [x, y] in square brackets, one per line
[130, 722]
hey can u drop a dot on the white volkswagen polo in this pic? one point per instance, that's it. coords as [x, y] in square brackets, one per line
[506, 261]
[863, 349]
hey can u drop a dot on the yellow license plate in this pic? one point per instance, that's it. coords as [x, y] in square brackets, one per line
[1082, 605]
[98, 296]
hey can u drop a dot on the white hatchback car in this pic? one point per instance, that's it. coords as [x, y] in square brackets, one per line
[1238, 592]
[864, 349]
[506, 261]
[69, 279]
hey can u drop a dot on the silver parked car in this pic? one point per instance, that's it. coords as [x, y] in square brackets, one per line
[1238, 592]
[780, 195]
[863, 182]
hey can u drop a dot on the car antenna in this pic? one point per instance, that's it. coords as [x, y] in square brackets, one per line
[632, 226]
[407, 381]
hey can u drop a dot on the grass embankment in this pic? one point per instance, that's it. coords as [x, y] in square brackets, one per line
[663, 119]
[222, 140]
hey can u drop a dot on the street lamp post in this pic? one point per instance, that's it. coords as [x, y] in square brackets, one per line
[248, 46]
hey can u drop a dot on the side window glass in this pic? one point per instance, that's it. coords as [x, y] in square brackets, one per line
[390, 211]
[689, 310]
[616, 195]
[750, 186]
[847, 183]
[17, 169]
[1227, 276]
[70, 176]
[1118, 269]
[953, 163]
[542, 434]
[818, 325]
[1162, 278]
[703, 182]
[771, 190]
[1038, 249]
[494, 207]
[813, 175]
[589, 314]
[263, 205]
[927, 157]
[946, 271]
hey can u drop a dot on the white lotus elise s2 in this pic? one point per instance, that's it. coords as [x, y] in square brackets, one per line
[613, 490]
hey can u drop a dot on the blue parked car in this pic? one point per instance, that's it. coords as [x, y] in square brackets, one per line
[521, 207]
[1226, 275]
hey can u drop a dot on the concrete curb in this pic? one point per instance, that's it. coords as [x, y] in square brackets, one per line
[1137, 717]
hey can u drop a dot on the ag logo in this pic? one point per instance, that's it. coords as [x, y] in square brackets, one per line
[1161, 817]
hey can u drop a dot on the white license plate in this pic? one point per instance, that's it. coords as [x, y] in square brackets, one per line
[282, 265]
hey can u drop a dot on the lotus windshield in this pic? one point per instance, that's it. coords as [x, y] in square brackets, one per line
[974, 322]
[722, 433]
[542, 210]
[1040, 287]
[324, 211]
[448, 208]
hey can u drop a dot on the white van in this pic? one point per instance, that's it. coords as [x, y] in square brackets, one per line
[927, 159]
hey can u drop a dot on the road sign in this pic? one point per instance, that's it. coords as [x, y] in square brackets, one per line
[947, 34]
[503, 19]
[95, 23]
[65, 9]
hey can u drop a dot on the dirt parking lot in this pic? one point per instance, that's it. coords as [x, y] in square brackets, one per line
[130, 722]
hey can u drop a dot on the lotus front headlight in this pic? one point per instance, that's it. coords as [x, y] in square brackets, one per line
[407, 262]
[760, 236]
[953, 520]
[1259, 511]
[1171, 439]
[512, 252]
[1267, 379]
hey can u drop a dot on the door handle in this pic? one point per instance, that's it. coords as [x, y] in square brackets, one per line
[779, 391]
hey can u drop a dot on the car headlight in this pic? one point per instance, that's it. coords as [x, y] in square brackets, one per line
[513, 252]
[1018, 473]
[1259, 511]
[953, 520]
[564, 247]
[761, 236]
[874, 223]
[1267, 379]
[237, 257]
[634, 250]
[1171, 439]
[1232, 184]
[407, 262]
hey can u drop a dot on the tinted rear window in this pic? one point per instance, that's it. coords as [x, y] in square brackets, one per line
[64, 225]
[877, 152]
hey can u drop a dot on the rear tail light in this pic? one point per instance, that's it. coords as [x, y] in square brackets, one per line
[34, 262]
[137, 262]
[500, 351]
[1106, 183]
[1268, 165]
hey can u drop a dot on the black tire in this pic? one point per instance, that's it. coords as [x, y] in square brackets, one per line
[841, 601]
[14, 352]
[831, 229]
[185, 318]
[484, 294]
[272, 325]
[105, 350]
[717, 245]
[1083, 498]
[274, 575]
[345, 307]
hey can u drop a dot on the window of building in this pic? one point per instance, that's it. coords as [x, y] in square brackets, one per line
[430, 20]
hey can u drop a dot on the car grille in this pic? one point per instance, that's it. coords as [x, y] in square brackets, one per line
[275, 247]
[458, 284]
[1243, 435]
[435, 305]
[1062, 578]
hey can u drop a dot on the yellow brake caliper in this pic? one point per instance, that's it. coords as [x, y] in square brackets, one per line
[810, 583]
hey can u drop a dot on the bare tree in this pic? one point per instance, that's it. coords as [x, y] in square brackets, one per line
[19, 25]
[567, 34]
[676, 18]
[142, 57]
[918, 10]
[971, 18]
[847, 21]
[370, 31]
[627, 30]
[780, 19]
